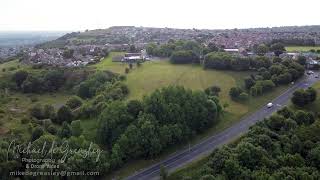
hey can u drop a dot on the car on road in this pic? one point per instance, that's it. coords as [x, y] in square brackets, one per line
[270, 105]
[310, 72]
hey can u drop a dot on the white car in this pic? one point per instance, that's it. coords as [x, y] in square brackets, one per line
[310, 72]
[269, 105]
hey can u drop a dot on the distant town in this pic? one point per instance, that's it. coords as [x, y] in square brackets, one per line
[90, 46]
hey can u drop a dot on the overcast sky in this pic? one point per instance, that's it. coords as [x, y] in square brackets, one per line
[201, 14]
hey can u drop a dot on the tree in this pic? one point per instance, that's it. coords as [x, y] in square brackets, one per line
[277, 48]
[48, 112]
[76, 128]
[261, 49]
[302, 117]
[151, 49]
[298, 98]
[134, 107]
[64, 114]
[65, 131]
[249, 82]
[276, 59]
[213, 90]
[84, 90]
[113, 121]
[52, 129]
[218, 60]
[314, 156]
[150, 141]
[32, 85]
[303, 97]
[311, 94]
[54, 80]
[19, 77]
[74, 102]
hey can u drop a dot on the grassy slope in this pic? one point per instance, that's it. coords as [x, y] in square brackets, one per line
[195, 166]
[301, 48]
[142, 81]
[156, 74]
[19, 103]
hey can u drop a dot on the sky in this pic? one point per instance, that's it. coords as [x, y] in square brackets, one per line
[79, 15]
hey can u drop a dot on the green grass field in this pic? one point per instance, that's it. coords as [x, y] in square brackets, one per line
[301, 48]
[107, 64]
[142, 81]
[151, 75]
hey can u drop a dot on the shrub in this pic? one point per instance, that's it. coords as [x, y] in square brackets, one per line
[36, 111]
[74, 102]
[127, 70]
[235, 92]
[36, 133]
[52, 129]
[25, 120]
[48, 112]
[64, 114]
[213, 90]
[76, 128]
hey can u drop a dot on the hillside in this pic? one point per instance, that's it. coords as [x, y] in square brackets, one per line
[231, 38]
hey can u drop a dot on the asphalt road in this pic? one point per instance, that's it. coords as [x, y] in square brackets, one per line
[183, 157]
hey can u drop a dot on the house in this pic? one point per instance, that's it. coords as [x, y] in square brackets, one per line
[134, 57]
[232, 50]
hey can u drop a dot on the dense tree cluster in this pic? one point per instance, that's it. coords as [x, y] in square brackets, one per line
[303, 97]
[284, 146]
[183, 57]
[144, 129]
[227, 61]
[166, 50]
[277, 74]
[99, 82]
[47, 81]
[295, 42]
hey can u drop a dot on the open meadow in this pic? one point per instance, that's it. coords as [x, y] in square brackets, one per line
[160, 73]
[301, 48]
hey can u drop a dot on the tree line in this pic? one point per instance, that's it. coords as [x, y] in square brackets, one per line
[268, 76]
[283, 146]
